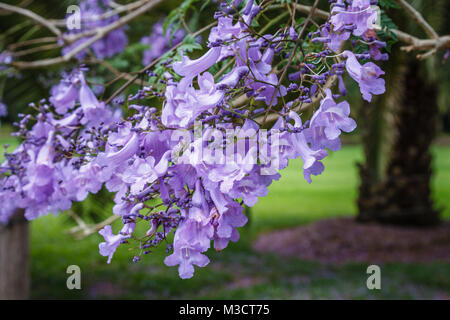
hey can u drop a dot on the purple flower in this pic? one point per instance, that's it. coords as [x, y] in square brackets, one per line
[112, 241]
[160, 42]
[3, 109]
[359, 15]
[327, 122]
[293, 34]
[164, 172]
[367, 76]
[191, 239]
[64, 95]
[115, 158]
[229, 216]
[191, 68]
[231, 79]
[375, 52]
[332, 38]
[310, 157]
[10, 197]
[184, 103]
[253, 186]
[5, 60]
[144, 171]
[111, 44]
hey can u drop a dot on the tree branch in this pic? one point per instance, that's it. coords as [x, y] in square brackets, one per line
[30, 14]
[418, 18]
[99, 34]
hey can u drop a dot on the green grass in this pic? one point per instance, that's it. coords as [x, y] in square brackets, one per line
[293, 201]
[5, 138]
[239, 272]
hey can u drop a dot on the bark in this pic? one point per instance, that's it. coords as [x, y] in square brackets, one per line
[404, 195]
[14, 268]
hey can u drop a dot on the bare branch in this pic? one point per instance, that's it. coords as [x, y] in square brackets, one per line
[30, 14]
[31, 42]
[99, 34]
[46, 47]
[23, 4]
[108, 14]
[418, 18]
[83, 230]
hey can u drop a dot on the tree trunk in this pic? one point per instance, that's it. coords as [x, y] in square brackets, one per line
[376, 128]
[370, 172]
[404, 195]
[14, 272]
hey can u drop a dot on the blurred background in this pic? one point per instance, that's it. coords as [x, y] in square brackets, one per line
[383, 199]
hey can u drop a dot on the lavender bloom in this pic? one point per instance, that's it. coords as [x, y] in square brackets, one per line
[160, 42]
[5, 60]
[333, 38]
[252, 187]
[191, 68]
[64, 95]
[144, 171]
[359, 14]
[310, 157]
[48, 181]
[112, 241]
[367, 76]
[111, 44]
[231, 79]
[10, 197]
[184, 103]
[293, 34]
[3, 109]
[375, 52]
[229, 216]
[189, 243]
[327, 122]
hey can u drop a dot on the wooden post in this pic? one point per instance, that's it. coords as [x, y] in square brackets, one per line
[14, 269]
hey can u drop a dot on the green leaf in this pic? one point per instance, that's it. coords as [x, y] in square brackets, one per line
[189, 44]
[388, 4]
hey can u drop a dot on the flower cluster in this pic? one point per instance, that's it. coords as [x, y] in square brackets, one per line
[51, 168]
[189, 168]
[92, 17]
[160, 42]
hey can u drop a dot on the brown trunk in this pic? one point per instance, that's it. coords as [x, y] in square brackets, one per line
[14, 272]
[404, 196]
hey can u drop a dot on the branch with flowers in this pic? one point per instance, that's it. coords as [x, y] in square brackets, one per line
[105, 26]
[202, 137]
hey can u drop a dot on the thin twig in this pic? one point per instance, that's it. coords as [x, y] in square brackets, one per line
[291, 57]
[99, 34]
[417, 17]
[31, 15]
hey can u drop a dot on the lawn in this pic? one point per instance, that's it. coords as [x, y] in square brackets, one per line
[239, 271]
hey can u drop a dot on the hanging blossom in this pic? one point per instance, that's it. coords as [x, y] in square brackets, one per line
[44, 175]
[5, 60]
[189, 168]
[91, 18]
[367, 76]
[3, 109]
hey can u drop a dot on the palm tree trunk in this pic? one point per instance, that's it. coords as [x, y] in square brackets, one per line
[404, 195]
